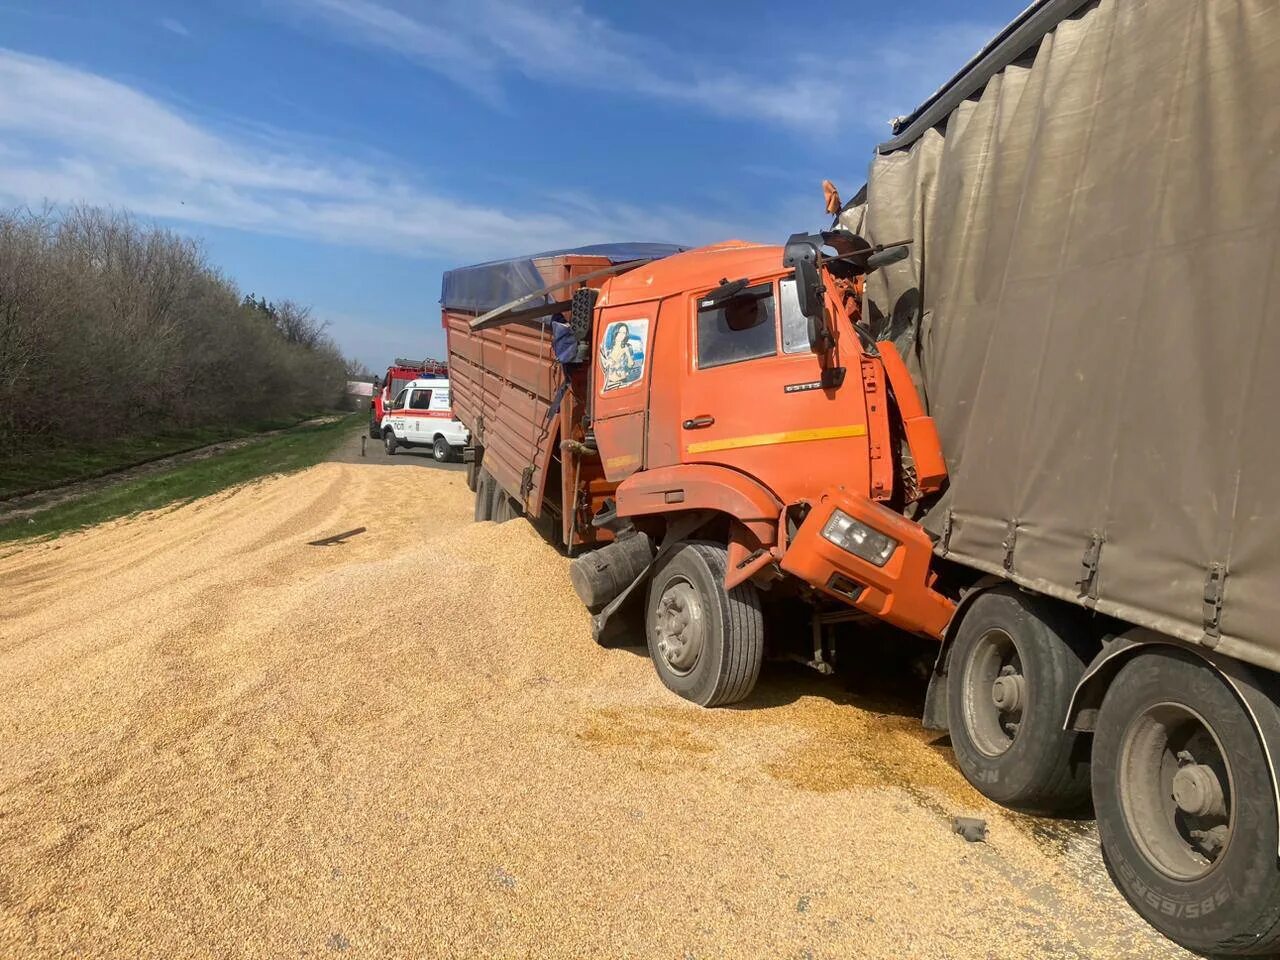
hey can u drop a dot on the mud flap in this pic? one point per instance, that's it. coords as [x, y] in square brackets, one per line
[677, 533]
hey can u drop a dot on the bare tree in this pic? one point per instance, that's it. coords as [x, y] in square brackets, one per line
[109, 327]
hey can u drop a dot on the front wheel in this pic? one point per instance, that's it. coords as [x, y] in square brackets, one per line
[1010, 676]
[374, 432]
[389, 441]
[1186, 807]
[440, 450]
[705, 642]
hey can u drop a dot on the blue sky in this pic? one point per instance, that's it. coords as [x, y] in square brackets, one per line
[343, 153]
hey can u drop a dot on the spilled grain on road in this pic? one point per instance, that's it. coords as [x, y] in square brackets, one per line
[223, 741]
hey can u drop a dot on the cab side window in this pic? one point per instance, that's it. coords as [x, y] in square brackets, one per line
[742, 328]
[399, 401]
[421, 400]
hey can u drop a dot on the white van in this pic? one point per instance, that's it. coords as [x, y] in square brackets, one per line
[421, 415]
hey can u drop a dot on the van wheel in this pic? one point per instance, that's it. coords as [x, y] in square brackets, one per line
[1010, 677]
[484, 496]
[1186, 807]
[440, 450]
[389, 441]
[706, 643]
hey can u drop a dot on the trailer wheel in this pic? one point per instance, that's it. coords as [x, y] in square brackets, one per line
[440, 450]
[1010, 677]
[706, 643]
[484, 495]
[1186, 807]
[504, 505]
[389, 441]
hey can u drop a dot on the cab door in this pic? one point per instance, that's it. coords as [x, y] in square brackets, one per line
[621, 370]
[395, 415]
[754, 397]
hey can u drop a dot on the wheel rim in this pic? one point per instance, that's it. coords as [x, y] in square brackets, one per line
[994, 693]
[440, 450]
[680, 626]
[1176, 790]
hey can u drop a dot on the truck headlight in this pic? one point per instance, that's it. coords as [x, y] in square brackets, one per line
[859, 539]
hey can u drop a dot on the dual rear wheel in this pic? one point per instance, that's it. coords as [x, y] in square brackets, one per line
[1176, 771]
[492, 502]
[1010, 676]
[1186, 805]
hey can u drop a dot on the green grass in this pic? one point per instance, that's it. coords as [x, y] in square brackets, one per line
[294, 449]
[57, 463]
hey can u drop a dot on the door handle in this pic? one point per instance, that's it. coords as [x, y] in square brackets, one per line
[697, 423]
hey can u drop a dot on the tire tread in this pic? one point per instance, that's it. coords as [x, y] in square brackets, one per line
[1063, 786]
[744, 631]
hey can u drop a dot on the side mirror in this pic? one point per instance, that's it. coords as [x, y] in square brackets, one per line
[801, 253]
[885, 257]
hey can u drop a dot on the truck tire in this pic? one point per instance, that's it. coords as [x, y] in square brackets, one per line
[1010, 676]
[374, 432]
[484, 496]
[504, 505]
[1186, 806]
[473, 468]
[441, 450]
[390, 442]
[706, 643]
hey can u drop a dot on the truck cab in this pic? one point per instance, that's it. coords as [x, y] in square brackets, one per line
[421, 415]
[713, 390]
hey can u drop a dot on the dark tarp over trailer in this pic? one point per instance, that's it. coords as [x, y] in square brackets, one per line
[1090, 307]
[484, 286]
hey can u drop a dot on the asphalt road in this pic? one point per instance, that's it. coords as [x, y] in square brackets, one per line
[327, 714]
[363, 450]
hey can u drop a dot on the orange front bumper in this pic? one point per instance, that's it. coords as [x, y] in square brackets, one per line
[898, 593]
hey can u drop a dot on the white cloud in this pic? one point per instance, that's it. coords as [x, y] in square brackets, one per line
[477, 44]
[175, 26]
[70, 135]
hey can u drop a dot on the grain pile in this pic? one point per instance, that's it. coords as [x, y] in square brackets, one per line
[220, 741]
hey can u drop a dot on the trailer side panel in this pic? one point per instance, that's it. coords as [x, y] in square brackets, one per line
[1091, 311]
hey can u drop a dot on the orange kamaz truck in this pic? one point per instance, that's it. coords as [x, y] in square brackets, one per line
[705, 426]
[1018, 398]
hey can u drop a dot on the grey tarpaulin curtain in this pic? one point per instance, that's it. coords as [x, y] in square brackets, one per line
[1091, 310]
